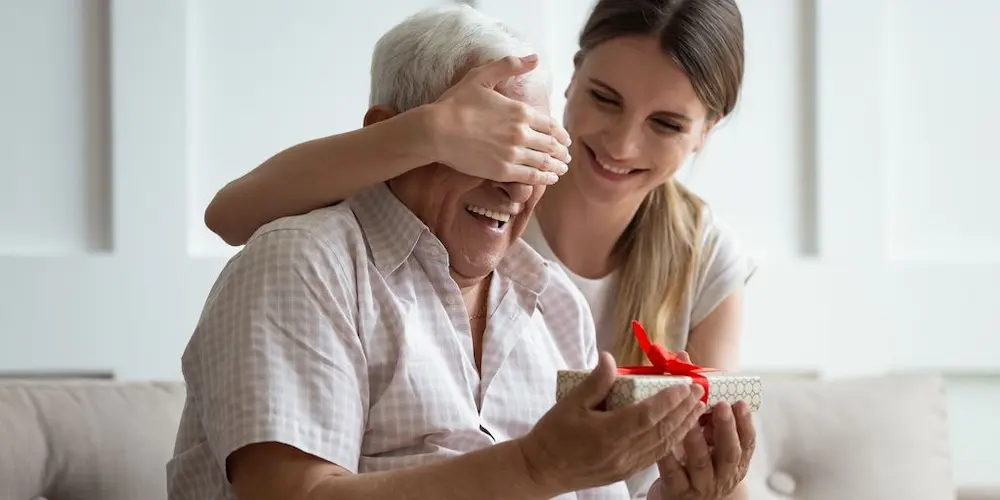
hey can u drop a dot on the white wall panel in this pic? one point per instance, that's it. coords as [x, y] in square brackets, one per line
[758, 168]
[176, 120]
[265, 75]
[944, 170]
[54, 120]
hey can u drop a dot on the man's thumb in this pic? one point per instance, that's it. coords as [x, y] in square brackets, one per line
[493, 73]
[595, 388]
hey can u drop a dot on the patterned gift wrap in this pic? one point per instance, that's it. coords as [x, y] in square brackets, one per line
[722, 386]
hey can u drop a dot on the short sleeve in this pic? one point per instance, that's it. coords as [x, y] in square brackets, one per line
[276, 356]
[724, 268]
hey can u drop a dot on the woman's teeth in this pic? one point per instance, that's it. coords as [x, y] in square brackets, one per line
[613, 170]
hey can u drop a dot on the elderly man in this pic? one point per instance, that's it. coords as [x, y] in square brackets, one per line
[404, 344]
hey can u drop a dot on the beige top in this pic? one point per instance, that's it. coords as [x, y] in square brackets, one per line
[724, 269]
[341, 333]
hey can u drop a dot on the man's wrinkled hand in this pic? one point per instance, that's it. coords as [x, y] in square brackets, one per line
[713, 458]
[578, 445]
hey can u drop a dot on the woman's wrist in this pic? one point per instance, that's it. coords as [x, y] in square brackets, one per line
[428, 123]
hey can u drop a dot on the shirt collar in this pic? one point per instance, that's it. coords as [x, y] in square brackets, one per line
[393, 232]
[391, 229]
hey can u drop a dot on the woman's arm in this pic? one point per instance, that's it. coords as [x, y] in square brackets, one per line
[715, 342]
[319, 173]
[473, 128]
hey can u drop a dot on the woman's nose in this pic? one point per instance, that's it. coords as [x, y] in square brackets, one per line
[621, 142]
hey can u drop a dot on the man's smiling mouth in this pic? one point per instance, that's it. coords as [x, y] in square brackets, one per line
[499, 218]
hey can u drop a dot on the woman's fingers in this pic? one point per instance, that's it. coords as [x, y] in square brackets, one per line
[530, 175]
[545, 143]
[541, 161]
[547, 125]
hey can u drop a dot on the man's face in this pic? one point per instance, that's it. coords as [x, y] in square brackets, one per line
[476, 220]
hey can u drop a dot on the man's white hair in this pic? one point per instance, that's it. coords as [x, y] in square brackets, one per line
[416, 61]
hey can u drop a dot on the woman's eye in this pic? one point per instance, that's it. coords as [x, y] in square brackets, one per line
[601, 98]
[667, 125]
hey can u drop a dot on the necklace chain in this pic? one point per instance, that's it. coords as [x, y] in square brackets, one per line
[482, 312]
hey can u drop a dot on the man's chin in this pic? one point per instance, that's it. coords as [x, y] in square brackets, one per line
[467, 274]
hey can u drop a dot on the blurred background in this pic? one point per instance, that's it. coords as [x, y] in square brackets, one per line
[859, 170]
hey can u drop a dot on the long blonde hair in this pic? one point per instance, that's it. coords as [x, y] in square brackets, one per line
[659, 253]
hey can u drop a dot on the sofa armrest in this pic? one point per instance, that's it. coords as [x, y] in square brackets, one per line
[979, 492]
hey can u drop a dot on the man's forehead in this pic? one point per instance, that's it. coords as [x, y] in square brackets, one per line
[527, 90]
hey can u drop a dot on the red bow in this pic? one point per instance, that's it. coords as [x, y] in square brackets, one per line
[665, 362]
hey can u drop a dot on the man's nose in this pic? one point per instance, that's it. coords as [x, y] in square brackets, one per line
[517, 192]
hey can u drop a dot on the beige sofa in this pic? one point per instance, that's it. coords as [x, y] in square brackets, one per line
[879, 439]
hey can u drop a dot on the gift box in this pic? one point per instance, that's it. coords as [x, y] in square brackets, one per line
[635, 383]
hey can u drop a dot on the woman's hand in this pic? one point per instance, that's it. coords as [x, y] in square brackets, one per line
[481, 132]
[713, 458]
[577, 445]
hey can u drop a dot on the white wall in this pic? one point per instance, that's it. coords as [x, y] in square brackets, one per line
[858, 170]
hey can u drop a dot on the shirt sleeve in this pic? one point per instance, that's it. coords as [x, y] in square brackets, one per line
[276, 356]
[724, 268]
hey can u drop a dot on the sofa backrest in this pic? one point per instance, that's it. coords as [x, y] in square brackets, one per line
[87, 440]
[863, 439]
[859, 438]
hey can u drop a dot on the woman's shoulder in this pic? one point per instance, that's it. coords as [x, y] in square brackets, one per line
[724, 265]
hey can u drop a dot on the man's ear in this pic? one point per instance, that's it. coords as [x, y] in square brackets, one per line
[378, 113]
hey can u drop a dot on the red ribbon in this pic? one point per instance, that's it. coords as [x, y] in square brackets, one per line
[665, 362]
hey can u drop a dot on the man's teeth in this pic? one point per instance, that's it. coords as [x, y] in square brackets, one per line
[613, 170]
[493, 214]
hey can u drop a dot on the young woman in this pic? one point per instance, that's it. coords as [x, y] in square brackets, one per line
[652, 79]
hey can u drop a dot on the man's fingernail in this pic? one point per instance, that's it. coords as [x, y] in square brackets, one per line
[530, 58]
[551, 178]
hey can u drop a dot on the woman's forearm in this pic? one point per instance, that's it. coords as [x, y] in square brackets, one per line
[320, 173]
[499, 471]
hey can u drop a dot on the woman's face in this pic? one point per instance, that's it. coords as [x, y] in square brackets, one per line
[634, 118]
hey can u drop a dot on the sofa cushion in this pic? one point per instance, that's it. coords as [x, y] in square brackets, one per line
[87, 440]
[857, 438]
